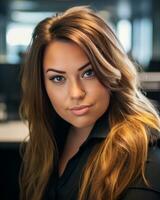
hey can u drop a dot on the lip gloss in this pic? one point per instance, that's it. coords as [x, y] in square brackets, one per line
[80, 111]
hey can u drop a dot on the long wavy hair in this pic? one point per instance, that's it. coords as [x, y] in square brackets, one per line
[134, 123]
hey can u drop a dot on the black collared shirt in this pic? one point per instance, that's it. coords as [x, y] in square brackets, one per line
[66, 186]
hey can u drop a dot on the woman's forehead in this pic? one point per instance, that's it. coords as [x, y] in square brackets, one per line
[62, 55]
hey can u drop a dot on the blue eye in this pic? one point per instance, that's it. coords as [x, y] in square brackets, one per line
[60, 79]
[89, 73]
[57, 79]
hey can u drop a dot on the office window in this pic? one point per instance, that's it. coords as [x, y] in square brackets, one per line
[19, 32]
[142, 40]
[124, 32]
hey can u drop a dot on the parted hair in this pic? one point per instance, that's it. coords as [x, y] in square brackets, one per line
[134, 122]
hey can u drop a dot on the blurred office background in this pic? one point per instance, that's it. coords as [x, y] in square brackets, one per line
[137, 25]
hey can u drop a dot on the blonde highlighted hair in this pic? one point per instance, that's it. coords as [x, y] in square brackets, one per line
[133, 121]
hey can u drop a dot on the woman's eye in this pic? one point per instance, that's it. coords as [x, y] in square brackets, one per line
[57, 79]
[89, 73]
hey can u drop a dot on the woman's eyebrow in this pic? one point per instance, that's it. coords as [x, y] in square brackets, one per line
[63, 72]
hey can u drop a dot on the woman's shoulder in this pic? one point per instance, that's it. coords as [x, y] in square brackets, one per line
[139, 190]
[152, 171]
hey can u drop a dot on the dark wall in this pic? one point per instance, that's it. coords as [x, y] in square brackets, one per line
[9, 171]
[10, 91]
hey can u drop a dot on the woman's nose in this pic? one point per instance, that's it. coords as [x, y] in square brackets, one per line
[76, 90]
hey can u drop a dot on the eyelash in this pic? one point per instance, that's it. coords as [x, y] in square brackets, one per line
[55, 76]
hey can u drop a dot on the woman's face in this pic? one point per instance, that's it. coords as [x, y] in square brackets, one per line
[70, 82]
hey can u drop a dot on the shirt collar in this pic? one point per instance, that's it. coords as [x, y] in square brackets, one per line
[100, 128]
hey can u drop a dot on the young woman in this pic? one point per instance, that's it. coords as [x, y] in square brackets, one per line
[93, 135]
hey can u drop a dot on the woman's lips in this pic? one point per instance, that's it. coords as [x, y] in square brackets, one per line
[81, 111]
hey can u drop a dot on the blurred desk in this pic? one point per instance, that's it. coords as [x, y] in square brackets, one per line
[150, 81]
[13, 131]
